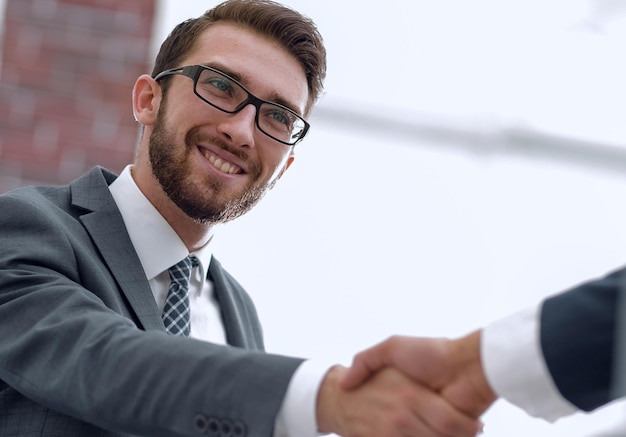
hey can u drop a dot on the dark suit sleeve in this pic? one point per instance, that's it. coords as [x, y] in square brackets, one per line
[71, 349]
[578, 331]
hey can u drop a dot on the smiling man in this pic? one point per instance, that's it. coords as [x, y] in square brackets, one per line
[209, 160]
[116, 320]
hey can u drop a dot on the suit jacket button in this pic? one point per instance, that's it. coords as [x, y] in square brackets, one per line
[239, 429]
[226, 428]
[213, 427]
[201, 422]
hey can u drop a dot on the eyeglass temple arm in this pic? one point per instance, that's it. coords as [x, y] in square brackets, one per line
[171, 71]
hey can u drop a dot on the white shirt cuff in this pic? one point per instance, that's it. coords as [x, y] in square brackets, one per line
[516, 369]
[298, 414]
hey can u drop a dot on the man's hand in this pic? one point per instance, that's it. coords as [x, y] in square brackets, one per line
[388, 404]
[450, 367]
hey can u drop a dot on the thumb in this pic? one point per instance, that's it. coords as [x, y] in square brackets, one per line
[364, 365]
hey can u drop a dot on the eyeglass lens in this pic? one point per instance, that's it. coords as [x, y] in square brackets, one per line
[225, 94]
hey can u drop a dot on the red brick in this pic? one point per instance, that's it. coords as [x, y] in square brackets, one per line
[68, 69]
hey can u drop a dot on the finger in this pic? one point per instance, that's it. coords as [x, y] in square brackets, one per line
[365, 364]
[442, 417]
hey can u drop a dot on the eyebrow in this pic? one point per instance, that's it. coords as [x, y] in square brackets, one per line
[273, 98]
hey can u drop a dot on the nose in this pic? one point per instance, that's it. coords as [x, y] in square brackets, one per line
[239, 128]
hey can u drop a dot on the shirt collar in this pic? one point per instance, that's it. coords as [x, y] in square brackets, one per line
[156, 243]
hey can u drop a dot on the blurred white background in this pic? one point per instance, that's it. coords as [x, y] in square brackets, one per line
[468, 159]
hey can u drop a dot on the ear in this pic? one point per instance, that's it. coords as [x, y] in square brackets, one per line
[146, 99]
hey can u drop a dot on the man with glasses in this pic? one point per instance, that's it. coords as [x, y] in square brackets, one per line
[115, 318]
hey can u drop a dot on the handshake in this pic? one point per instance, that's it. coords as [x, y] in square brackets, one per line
[406, 386]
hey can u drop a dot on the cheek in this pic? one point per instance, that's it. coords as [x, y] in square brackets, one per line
[281, 162]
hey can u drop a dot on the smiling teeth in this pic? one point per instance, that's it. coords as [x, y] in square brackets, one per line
[221, 165]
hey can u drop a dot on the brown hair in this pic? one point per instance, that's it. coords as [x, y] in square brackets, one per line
[297, 33]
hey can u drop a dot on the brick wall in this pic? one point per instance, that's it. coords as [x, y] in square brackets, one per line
[68, 67]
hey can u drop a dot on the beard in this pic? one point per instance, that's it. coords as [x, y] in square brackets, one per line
[204, 201]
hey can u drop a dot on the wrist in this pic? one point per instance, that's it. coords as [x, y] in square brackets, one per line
[326, 404]
[470, 374]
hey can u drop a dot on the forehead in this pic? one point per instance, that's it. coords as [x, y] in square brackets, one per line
[264, 67]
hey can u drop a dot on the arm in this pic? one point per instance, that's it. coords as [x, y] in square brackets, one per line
[567, 346]
[68, 342]
[562, 354]
[578, 340]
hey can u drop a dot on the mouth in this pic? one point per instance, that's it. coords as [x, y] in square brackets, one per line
[221, 164]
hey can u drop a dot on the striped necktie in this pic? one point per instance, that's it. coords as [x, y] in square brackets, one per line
[176, 311]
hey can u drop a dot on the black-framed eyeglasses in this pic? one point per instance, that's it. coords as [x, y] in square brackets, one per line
[226, 94]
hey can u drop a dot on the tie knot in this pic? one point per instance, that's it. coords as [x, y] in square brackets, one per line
[181, 272]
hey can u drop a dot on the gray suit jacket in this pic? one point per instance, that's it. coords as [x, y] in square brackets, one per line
[83, 351]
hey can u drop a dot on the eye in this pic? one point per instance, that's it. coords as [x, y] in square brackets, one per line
[218, 84]
[278, 116]
[281, 117]
[215, 85]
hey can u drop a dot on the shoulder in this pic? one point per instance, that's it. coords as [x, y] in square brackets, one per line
[29, 203]
[53, 197]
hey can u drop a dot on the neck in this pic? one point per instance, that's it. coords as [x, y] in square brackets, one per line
[195, 235]
[192, 233]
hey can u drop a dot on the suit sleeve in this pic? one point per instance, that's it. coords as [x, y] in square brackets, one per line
[67, 347]
[514, 366]
[578, 331]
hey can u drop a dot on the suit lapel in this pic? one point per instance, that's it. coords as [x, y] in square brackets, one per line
[239, 317]
[105, 225]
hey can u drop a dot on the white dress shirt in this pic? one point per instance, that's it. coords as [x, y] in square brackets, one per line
[158, 248]
[513, 340]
